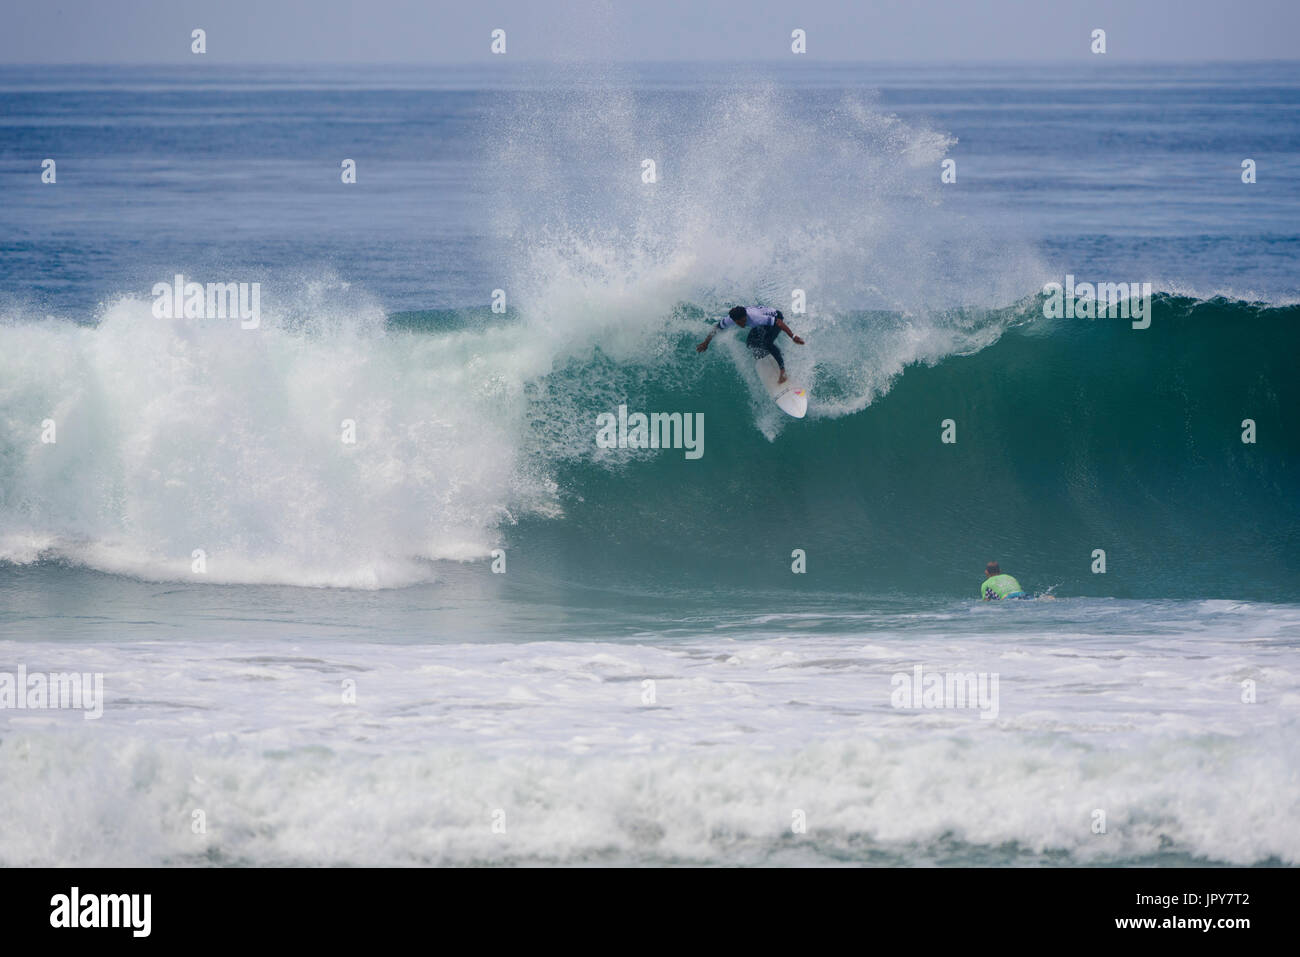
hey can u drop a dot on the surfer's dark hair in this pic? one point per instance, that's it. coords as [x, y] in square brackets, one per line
[737, 313]
[992, 569]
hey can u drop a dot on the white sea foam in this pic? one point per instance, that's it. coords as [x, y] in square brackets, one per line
[177, 435]
[740, 735]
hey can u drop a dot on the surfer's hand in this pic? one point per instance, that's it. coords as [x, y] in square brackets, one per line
[797, 340]
[702, 346]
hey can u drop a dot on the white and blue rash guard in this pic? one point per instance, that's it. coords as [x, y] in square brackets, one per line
[757, 316]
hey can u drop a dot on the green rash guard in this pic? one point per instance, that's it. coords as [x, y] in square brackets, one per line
[999, 587]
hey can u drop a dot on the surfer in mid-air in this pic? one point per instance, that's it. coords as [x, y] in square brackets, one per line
[766, 325]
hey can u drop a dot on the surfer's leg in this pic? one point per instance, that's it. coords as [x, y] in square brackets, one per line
[762, 342]
[770, 342]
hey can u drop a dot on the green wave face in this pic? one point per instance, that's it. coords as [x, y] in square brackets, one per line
[1072, 435]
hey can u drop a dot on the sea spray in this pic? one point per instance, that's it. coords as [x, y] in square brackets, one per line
[830, 212]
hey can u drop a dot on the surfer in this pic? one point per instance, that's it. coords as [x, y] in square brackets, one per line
[766, 325]
[998, 586]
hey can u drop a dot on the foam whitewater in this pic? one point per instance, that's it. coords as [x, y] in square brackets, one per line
[1108, 748]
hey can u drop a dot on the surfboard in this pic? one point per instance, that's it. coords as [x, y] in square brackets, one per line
[790, 397]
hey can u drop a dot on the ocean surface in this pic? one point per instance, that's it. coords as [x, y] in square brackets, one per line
[474, 636]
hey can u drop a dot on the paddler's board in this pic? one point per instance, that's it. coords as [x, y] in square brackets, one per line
[791, 397]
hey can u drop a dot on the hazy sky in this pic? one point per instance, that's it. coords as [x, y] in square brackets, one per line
[434, 31]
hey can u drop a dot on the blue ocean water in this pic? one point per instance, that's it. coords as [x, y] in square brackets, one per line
[1127, 168]
[609, 646]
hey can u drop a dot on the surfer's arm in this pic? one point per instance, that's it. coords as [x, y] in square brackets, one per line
[707, 339]
[780, 324]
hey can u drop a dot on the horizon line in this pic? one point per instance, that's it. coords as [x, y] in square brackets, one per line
[798, 63]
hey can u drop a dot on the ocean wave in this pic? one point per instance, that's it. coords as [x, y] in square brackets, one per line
[1072, 434]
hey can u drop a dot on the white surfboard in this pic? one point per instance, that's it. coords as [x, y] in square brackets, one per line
[789, 396]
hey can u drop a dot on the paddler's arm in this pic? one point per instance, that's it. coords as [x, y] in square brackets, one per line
[780, 324]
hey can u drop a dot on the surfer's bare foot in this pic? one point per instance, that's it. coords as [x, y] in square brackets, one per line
[781, 381]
